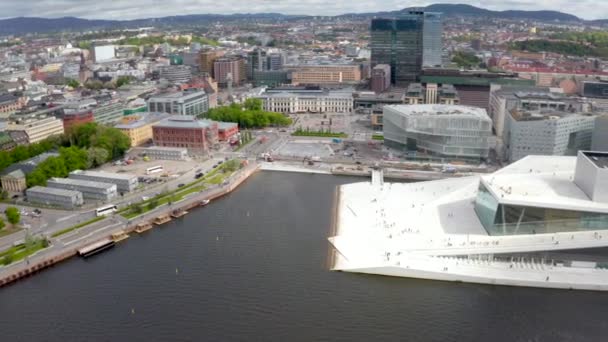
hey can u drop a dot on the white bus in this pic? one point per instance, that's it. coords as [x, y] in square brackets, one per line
[154, 169]
[107, 210]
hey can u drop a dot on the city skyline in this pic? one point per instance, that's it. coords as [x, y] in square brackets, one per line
[138, 9]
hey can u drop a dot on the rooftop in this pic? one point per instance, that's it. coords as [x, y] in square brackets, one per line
[145, 118]
[183, 121]
[541, 181]
[436, 109]
[80, 182]
[598, 158]
[52, 191]
[101, 174]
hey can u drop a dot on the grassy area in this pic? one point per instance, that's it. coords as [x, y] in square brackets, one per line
[377, 137]
[22, 251]
[78, 226]
[217, 176]
[319, 134]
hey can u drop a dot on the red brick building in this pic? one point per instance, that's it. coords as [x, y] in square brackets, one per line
[227, 130]
[72, 119]
[187, 132]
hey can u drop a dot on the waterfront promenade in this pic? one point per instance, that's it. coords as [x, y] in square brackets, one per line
[66, 246]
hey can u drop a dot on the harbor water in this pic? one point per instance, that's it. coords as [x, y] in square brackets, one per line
[253, 266]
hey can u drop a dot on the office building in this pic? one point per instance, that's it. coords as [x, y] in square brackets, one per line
[538, 222]
[109, 112]
[176, 74]
[325, 74]
[37, 128]
[256, 61]
[399, 43]
[207, 59]
[438, 130]
[270, 78]
[124, 182]
[547, 132]
[381, 78]
[139, 128]
[89, 189]
[432, 40]
[180, 103]
[233, 66]
[275, 61]
[53, 197]
[186, 132]
[292, 100]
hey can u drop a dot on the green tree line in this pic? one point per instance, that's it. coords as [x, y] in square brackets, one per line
[561, 47]
[250, 115]
[87, 145]
[465, 60]
[21, 153]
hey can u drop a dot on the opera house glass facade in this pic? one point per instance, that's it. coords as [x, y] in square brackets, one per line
[504, 219]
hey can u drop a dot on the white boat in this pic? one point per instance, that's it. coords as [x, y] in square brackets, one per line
[204, 202]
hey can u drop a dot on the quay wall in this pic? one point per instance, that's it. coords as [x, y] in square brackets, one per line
[23, 268]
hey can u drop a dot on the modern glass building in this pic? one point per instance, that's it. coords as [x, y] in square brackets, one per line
[503, 212]
[440, 130]
[399, 43]
[432, 40]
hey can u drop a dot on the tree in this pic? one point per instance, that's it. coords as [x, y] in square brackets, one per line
[2, 224]
[13, 215]
[74, 158]
[122, 80]
[73, 83]
[97, 156]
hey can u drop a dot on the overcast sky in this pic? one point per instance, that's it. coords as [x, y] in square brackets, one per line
[130, 9]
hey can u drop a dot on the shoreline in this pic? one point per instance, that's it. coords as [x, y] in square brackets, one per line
[27, 267]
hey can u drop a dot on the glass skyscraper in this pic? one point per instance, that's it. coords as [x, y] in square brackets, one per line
[398, 43]
[432, 40]
[407, 43]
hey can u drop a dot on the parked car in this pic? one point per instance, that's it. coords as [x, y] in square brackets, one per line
[181, 185]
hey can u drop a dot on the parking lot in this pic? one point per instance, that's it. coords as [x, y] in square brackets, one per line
[317, 122]
[139, 167]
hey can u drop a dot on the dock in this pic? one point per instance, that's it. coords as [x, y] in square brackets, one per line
[143, 227]
[96, 248]
[177, 213]
[119, 236]
[162, 219]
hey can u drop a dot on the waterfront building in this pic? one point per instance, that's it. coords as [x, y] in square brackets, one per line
[432, 40]
[164, 153]
[233, 66]
[176, 73]
[37, 128]
[227, 130]
[538, 222]
[89, 189]
[61, 198]
[124, 182]
[547, 132]
[399, 43]
[186, 132]
[14, 181]
[325, 74]
[381, 78]
[139, 128]
[306, 100]
[194, 102]
[438, 130]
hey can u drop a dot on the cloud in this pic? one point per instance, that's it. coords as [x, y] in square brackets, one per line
[131, 9]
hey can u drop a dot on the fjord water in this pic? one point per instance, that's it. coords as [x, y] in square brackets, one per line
[253, 267]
